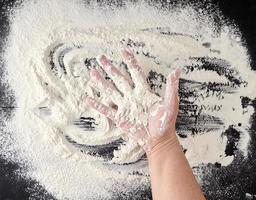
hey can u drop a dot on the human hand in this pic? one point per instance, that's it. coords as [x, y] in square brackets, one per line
[141, 114]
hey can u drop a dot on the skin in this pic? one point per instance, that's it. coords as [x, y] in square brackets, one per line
[171, 175]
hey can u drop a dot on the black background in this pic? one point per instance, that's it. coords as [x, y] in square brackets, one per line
[228, 183]
[243, 13]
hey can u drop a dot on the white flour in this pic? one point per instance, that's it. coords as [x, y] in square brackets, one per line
[49, 102]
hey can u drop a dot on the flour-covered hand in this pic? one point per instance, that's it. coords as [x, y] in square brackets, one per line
[145, 117]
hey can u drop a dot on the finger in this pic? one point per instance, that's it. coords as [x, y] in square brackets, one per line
[105, 85]
[172, 87]
[103, 109]
[137, 75]
[120, 81]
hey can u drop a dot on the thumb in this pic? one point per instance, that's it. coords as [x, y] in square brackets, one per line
[172, 87]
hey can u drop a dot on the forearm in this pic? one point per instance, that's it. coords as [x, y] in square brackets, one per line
[171, 175]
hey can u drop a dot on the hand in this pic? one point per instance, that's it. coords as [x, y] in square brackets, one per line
[141, 114]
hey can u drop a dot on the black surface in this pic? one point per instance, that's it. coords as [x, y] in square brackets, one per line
[221, 183]
[13, 186]
[242, 13]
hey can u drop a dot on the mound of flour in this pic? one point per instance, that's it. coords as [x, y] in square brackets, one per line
[52, 46]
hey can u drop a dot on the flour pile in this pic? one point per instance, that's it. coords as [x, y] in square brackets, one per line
[51, 48]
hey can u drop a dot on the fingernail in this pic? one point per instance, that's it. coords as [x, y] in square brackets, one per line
[127, 53]
[173, 77]
[88, 100]
[103, 60]
[94, 74]
[177, 73]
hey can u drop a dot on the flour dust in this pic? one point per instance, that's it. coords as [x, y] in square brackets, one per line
[76, 153]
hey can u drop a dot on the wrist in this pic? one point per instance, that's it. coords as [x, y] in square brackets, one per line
[163, 143]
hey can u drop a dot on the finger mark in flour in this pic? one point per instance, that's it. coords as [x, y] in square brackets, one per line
[105, 151]
[86, 123]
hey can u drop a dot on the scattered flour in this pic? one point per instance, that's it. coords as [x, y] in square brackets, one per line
[45, 56]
